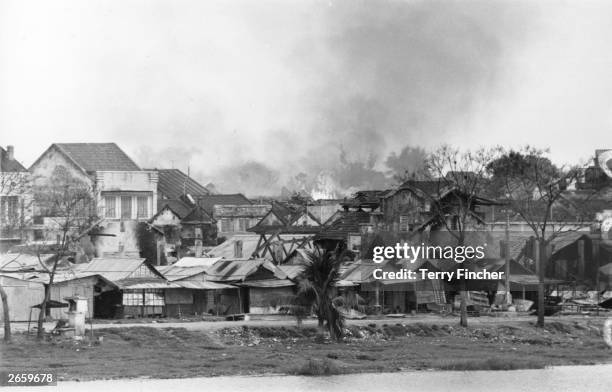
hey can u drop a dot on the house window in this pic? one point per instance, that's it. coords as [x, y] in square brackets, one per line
[226, 225]
[403, 223]
[152, 297]
[243, 224]
[110, 203]
[9, 209]
[142, 204]
[132, 298]
[38, 235]
[126, 207]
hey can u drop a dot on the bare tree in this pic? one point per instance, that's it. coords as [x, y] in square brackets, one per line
[537, 191]
[69, 206]
[461, 179]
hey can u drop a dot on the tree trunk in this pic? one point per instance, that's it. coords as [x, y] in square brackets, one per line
[539, 261]
[463, 308]
[43, 307]
[43, 311]
[6, 315]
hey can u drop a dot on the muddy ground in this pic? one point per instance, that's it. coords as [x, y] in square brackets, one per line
[376, 347]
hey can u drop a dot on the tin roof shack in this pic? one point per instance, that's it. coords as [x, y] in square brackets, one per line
[576, 259]
[16, 200]
[400, 294]
[264, 288]
[92, 287]
[22, 295]
[141, 286]
[523, 281]
[192, 294]
[125, 194]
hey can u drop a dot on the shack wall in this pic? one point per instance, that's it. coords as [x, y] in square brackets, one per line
[269, 300]
[22, 295]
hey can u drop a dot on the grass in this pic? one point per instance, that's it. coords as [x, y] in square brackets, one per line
[318, 367]
[494, 363]
[176, 352]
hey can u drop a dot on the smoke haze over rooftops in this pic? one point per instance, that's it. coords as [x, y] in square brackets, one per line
[252, 94]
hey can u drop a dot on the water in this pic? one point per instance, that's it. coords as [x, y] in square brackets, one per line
[558, 379]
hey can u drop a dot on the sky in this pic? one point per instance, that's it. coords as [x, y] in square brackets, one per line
[249, 94]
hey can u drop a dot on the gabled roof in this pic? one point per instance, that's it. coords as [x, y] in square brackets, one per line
[286, 216]
[178, 207]
[9, 165]
[348, 223]
[115, 268]
[184, 212]
[208, 202]
[91, 157]
[173, 183]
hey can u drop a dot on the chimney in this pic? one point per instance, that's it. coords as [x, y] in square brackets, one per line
[10, 153]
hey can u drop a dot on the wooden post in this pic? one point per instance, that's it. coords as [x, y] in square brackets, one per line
[378, 297]
[507, 258]
[581, 259]
[506, 248]
[595, 256]
[142, 311]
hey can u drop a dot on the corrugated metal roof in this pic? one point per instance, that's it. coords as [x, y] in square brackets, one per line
[98, 156]
[269, 283]
[174, 272]
[182, 284]
[113, 269]
[202, 285]
[21, 261]
[239, 270]
[292, 271]
[196, 261]
[143, 285]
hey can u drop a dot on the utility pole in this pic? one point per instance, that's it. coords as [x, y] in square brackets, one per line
[507, 257]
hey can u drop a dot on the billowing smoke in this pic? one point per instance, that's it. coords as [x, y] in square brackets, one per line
[375, 77]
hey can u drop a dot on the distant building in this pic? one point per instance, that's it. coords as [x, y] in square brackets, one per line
[15, 199]
[233, 213]
[125, 194]
[185, 226]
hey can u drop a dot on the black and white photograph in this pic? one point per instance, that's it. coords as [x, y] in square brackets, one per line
[306, 195]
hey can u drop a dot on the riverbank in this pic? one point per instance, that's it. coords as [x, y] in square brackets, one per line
[138, 351]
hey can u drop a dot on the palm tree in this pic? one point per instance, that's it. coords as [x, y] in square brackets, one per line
[316, 290]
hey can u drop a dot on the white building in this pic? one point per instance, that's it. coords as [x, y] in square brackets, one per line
[125, 195]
